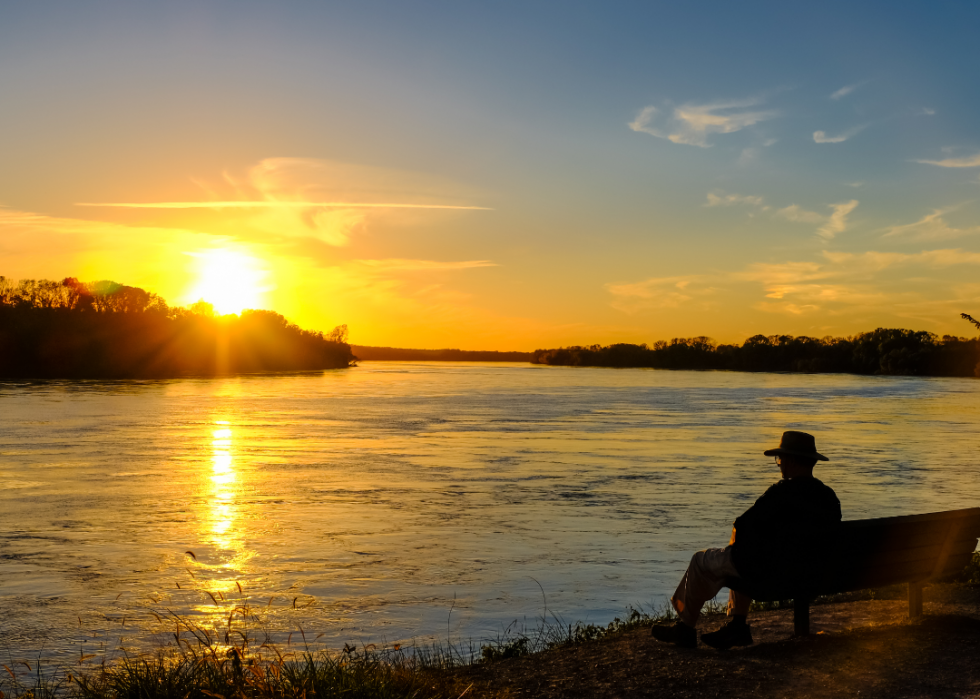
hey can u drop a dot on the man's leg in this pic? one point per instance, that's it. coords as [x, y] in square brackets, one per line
[738, 604]
[736, 632]
[704, 578]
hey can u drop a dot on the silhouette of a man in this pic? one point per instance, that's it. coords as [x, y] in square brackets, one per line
[782, 538]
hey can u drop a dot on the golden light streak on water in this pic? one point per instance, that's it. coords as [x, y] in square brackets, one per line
[221, 524]
[223, 510]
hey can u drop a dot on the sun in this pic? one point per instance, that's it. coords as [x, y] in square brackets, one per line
[229, 280]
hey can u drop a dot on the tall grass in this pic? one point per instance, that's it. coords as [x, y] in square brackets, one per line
[197, 665]
[235, 662]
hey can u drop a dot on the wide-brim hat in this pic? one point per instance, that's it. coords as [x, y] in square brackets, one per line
[797, 444]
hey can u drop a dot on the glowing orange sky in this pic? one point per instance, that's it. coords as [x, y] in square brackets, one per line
[379, 170]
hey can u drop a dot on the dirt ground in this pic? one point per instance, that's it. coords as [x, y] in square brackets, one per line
[857, 649]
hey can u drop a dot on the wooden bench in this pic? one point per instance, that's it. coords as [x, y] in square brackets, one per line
[915, 549]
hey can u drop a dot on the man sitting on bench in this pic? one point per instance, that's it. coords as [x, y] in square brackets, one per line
[782, 540]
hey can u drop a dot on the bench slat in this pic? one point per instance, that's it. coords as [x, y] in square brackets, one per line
[887, 538]
[916, 553]
[913, 519]
[881, 576]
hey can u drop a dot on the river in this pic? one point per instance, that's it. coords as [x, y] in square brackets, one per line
[397, 502]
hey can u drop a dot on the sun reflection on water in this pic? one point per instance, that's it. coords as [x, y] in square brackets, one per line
[222, 527]
[223, 478]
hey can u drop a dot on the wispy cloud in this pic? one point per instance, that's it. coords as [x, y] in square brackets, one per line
[822, 137]
[870, 261]
[833, 224]
[968, 161]
[846, 282]
[834, 285]
[946, 257]
[837, 223]
[657, 292]
[830, 225]
[795, 213]
[278, 205]
[783, 273]
[930, 227]
[692, 124]
[406, 265]
[329, 201]
[844, 91]
[720, 198]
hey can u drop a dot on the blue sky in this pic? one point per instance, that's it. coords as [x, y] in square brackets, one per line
[648, 170]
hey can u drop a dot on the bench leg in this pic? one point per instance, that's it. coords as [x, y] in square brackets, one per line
[915, 599]
[801, 616]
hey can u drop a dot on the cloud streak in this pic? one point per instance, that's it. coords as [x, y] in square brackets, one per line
[723, 199]
[406, 265]
[833, 224]
[837, 223]
[277, 205]
[844, 282]
[657, 292]
[968, 161]
[692, 124]
[844, 91]
[946, 257]
[930, 227]
[822, 137]
[833, 291]
[329, 201]
[796, 214]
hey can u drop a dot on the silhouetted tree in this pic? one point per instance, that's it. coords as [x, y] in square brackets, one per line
[104, 329]
[882, 351]
[338, 334]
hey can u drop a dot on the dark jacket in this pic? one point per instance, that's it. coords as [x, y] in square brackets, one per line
[785, 537]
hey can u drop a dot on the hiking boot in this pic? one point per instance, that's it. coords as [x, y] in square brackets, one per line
[680, 634]
[728, 636]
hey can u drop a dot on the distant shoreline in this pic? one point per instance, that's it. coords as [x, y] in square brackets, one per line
[884, 351]
[368, 353]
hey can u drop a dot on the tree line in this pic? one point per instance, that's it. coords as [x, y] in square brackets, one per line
[72, 329]
[888, 351]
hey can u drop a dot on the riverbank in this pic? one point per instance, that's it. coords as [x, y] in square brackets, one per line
[866, 648]
[862, 644]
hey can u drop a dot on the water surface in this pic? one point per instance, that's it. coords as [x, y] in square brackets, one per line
[422, 500]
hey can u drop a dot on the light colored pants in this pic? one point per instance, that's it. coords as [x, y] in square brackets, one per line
[704, 578]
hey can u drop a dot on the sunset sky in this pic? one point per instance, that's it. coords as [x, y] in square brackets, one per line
[505, 175]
